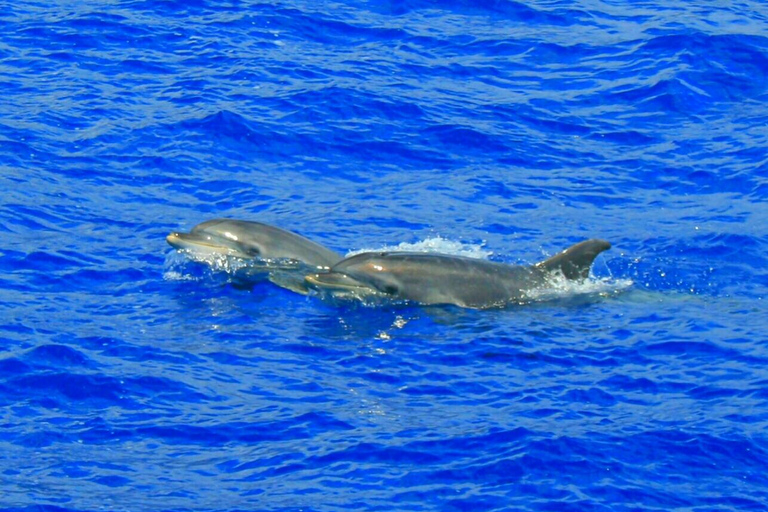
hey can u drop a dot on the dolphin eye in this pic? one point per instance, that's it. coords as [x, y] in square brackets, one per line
[390, 289]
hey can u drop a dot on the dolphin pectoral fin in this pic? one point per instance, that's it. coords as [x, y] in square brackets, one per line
[289, 281]
[575, 261]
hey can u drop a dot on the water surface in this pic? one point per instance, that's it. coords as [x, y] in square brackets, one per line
[131, 380]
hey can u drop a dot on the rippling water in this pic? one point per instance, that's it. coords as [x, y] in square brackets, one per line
[131, 379]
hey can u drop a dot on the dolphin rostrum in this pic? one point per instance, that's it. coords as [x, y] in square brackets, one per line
[429, 278]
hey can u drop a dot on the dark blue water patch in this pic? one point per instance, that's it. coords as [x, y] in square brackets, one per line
[112, 481]
[731, 67]
[88, 279]
[498, 10]
[52, 356]
[42, 508]
[451, 136]
[326, 30]
[590, 396]
[235, 134]
[708, 265]
[42, 262]
[302, 427]
[644, 385]
[50, 390]
[121, 350]
[13, 366]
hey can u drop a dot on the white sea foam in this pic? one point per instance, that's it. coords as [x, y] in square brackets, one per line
[434, 244]
[173, 275]
[173, 267]
[558, 287]
[176, 261]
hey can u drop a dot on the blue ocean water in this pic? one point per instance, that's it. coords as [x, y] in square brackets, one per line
[131, 380]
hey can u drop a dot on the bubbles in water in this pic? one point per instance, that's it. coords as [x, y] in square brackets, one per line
[176, 261]
[558, 287]
[177, 266]
[434, 244]
[174, 269]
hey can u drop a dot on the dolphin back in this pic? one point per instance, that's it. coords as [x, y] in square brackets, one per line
[274, 242]
[575, 261]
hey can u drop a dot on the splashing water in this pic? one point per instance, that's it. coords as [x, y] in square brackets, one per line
[243, 270]
[434, 244]
[559, 287]
[176, 264]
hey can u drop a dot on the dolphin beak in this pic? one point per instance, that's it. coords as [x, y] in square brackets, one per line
[188, 241]
[200, 244]
[334, 282]
[175, 240]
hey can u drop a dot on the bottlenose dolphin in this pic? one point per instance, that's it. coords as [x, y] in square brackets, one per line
[253, 240]
[263, 251]
[429, 278]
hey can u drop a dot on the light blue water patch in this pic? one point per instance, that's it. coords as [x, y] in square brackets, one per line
[131, 379]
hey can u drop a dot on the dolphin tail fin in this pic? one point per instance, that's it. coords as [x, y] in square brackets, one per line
[575, 261]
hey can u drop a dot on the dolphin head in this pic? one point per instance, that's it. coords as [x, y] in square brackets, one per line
[253, 240]
[360, 276]
[224, 237]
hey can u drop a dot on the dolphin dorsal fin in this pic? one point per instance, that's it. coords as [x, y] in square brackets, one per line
[575, 261]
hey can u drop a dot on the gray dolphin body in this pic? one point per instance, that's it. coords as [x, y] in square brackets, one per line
[443, 279]
[253, 240]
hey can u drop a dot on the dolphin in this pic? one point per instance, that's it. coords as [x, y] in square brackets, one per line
[433, 279]
[253, 240]
[268, 252]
